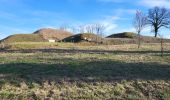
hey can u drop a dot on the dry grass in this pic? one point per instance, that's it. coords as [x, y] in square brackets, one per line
[87, 46]
[57, 34]
[85, 74]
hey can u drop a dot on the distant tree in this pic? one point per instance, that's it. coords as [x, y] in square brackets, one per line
[64, 27]
[139, 24]
[158, 18]
[81, 28]
[99, 28]
[90, 28]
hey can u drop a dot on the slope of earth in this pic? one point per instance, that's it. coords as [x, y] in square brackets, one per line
[132, 38]
[55, 34]
[84, 37]
[42, 35]
[24, 38]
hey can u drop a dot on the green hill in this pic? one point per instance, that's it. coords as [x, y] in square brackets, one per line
[55, 34]
[83, 37]
[132, 38]
[41, 35]
[24, 38]
[123, 35]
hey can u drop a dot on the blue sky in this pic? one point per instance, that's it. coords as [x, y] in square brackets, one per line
[26, 16]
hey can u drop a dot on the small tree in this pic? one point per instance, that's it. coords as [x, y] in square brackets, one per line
[81, 28]
[90, 28]
[158, 18]
[139, 24]
[162, 46]
[64, 27]
[99, 28]
[73, 29]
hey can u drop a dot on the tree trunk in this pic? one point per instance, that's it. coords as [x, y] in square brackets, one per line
[156, 33]
[139, 40]
[162, 47]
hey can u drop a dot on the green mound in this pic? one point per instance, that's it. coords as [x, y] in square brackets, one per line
[41, 35]
[24, 38]
[123, 35]
[55, 34]
[89, 37]
[132, 38]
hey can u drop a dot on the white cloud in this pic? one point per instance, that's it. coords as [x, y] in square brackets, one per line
[109, 26]
[153, 3]
[109, 22]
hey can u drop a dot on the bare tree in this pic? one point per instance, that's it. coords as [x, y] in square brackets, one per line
[99, 28]
[81, 28]
[73, 29]
[162, 46]
[158, 18]
[139, 24]
[64, 27]
[90, 28]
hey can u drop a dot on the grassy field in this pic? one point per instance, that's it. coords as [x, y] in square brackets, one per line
[67, 71]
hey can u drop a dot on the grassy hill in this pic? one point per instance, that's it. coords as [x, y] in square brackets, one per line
[24, 38]
[41, 35]
[123, 35]
[132, 38]
[49, 33]
[83, 37]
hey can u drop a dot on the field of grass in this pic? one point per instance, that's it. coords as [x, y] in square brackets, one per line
[79, 71]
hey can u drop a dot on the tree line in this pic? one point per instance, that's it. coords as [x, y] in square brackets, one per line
[156, 18]
[96, 28]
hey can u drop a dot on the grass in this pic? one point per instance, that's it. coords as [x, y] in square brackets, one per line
[42, 35]
[86, 46]
[24, 38]
[84, 37]
[95, 72]
[131, 38]
[124, 35]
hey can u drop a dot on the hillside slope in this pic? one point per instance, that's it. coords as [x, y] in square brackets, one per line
[132, 38]
[49, 33]
[41, 35]
[83, 37]
[24, 38]
[123, 35]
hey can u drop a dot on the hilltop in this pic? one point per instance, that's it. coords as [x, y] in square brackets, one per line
[123, 35]
[40, 35]
[84, 37]
[24, 38]
[132, 38]
[48, 33]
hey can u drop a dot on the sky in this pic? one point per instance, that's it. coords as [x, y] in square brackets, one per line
[27, 16]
